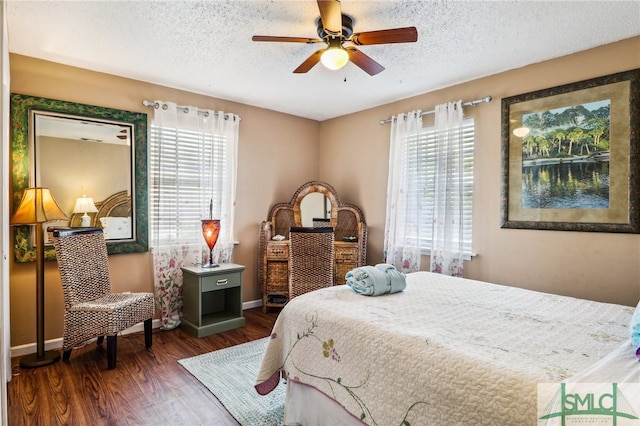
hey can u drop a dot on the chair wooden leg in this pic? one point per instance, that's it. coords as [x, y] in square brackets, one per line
[147, 333]
[112, 349]
[100, 340]
[66, 355]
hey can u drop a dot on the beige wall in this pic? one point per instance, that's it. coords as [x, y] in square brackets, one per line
[71, 169]
[279, 152]
[598, 266]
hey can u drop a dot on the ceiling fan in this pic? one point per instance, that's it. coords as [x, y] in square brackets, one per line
[336, 29]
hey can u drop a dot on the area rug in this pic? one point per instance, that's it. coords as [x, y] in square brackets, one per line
[230, 374]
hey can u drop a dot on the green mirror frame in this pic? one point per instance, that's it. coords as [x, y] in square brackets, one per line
[21, 157]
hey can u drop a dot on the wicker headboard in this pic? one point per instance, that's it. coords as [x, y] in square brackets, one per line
[116, 205]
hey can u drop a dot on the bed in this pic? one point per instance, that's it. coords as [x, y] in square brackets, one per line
[444, 351]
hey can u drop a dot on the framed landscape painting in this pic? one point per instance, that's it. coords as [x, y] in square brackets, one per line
[570, 156]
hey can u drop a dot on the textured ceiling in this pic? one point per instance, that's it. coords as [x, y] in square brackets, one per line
[205, 46]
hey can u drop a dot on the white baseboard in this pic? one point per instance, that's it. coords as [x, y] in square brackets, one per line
[252, 304]
[56, 344]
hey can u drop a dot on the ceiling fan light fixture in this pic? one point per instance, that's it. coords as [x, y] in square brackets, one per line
[335, 28]
[334, 58]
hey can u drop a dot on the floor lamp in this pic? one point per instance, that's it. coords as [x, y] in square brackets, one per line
[37, 207]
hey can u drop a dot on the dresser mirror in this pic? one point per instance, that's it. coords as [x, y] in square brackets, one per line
[79, 150]
[314, 205]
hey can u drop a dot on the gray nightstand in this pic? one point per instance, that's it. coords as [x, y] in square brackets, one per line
[212, 299]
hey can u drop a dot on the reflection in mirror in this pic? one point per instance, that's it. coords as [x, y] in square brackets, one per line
[81, 150]
[314, 205]
[97, 160]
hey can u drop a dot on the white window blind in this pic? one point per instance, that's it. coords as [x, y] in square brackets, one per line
[184, 181]
[420, 161]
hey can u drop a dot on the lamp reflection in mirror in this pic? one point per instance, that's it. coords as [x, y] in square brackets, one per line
[210, 231]
[37, 207]
[521, 132]
[85, 205]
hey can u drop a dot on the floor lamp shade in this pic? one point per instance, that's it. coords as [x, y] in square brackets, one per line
[210, 232]
[37, 207]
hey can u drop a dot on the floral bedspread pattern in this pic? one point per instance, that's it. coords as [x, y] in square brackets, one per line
[444, 351]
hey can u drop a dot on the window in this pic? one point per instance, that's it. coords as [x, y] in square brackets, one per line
[421, 169]
[183, 182]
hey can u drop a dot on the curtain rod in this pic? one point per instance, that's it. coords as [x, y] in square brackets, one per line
[469, 103]
[185, 109]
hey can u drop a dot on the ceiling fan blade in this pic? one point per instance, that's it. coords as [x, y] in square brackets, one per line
[331, 16]
[396, 35]
[286, 39]
[369, 66]
[310, 62]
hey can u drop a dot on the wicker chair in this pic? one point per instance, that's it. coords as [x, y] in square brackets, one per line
[310, 259]
[91, 310]
[319, 222]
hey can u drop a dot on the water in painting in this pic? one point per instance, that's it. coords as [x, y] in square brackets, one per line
[565, 157]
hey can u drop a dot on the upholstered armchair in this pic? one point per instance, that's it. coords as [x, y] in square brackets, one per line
[310, 259]
[91, 309]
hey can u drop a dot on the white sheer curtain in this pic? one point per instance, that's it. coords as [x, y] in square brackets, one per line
[447, 233]
[193, 162]
[404, 197]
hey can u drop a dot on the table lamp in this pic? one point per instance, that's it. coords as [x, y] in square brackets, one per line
[85, 205]
[210, 232]
[37, 207]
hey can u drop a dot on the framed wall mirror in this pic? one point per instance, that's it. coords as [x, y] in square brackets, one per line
[94, 161]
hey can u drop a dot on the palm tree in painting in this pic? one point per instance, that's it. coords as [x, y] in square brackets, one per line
[574, 136]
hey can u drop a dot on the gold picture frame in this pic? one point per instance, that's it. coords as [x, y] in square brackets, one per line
[570, 156]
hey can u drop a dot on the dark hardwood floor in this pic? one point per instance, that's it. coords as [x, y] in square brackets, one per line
[146, 387]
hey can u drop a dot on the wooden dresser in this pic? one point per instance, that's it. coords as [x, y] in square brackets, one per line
[314, 203]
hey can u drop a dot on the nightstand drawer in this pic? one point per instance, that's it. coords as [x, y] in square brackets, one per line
[220, 281]
[277, 251]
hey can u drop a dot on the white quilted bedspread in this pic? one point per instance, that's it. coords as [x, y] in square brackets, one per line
[446, 351]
